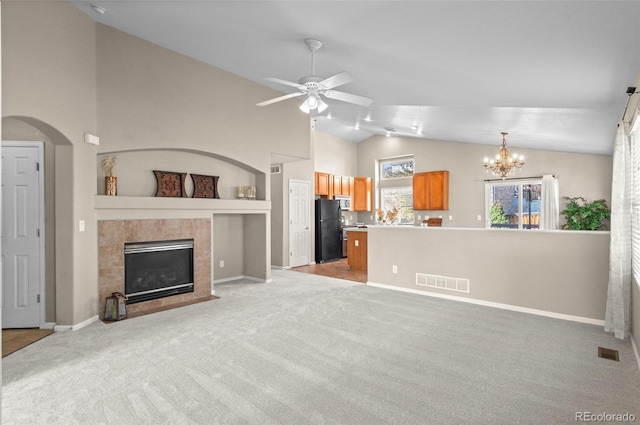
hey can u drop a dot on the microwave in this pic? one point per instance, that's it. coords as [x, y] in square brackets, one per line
[345, 202]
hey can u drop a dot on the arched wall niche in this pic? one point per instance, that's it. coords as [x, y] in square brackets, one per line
[134, 170]
[58, 154]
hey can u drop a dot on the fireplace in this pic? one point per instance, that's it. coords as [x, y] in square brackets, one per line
[158, 269]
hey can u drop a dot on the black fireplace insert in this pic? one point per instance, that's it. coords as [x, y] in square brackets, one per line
[157, 269]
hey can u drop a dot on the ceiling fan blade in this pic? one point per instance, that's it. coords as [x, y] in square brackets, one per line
[285, 82]
[348, 97]
[336, 80]
[278, 99]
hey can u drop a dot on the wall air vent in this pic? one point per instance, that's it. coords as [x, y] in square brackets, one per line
[276, 169]
[442, 282]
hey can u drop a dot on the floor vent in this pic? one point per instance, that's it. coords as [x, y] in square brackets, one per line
[442, 282]
[608, 353]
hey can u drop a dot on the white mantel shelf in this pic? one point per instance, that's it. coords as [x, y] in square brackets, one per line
[122, 207]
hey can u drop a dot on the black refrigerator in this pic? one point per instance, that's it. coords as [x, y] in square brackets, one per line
[328, 230]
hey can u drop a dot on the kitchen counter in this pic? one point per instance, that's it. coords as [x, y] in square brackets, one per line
[355, 229]
[558, 273]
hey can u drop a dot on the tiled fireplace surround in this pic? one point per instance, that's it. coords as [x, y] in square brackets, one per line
[113, 234]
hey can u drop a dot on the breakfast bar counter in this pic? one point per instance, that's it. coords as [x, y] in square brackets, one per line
[513, 269]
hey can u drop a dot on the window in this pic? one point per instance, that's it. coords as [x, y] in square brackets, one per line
[514, 205]
[400, 198]
[396, 168]
[395, 186]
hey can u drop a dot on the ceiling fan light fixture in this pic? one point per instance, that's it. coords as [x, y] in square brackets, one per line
[321, 105]
[309, 105]
[313, 103]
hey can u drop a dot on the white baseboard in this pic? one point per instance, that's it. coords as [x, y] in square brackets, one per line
[280, 267]
[48, 325]
[77, 326]
[494, 304]
[229, 279]
[635, 350]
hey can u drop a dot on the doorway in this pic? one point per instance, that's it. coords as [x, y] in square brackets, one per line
[23, 234]
[299, 222]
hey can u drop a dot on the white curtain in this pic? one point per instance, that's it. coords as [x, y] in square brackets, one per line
[618, 315]
[550, 213]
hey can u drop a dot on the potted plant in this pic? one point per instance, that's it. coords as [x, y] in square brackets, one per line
[583, 215]
[497, 215]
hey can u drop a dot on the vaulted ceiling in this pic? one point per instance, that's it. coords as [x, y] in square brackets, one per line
[554, 74]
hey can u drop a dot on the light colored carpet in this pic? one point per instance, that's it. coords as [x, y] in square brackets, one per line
[308, 349]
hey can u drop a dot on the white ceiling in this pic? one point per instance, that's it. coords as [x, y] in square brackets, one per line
[554, 74]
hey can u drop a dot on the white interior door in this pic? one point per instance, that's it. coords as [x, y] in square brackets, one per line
[21, 242]
[299, 222]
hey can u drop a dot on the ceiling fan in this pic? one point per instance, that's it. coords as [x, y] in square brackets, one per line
[315, 87]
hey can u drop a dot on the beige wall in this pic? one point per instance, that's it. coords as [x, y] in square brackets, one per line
[134, 170]
[152, 98]
[513, 267]
[578, 174]
[278, 255]
[635, 314]
[292, 169]
[228, 242]
[335, 156]
[49, 82]
[73, 76]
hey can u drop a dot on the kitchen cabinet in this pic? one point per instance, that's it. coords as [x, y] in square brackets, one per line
[362, 196]
[324, 184]
[342, 185]
[431, 190]
[347, 186]
[357, 250]
[337, 185]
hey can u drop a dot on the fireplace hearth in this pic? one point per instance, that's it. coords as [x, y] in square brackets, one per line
[158, 269]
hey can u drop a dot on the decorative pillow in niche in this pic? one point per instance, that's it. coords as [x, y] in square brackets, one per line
[205, 186]
[170, 184]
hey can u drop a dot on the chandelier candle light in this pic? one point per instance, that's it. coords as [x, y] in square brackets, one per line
[504, 164]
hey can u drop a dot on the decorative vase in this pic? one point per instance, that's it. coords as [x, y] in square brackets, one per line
[110, 185]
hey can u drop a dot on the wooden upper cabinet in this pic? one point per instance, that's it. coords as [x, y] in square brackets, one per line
[347, 186]
[361, 199]
[329, 185]
[337, 185]
[324, 183]
[431, 190]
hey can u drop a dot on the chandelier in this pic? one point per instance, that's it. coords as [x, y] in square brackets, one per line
[504, 164]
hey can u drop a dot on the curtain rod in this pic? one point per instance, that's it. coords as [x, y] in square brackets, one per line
[518, 178]
[630, 92]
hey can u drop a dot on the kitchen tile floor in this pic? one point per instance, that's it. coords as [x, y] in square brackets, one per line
[16, 339]
[338, 269]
